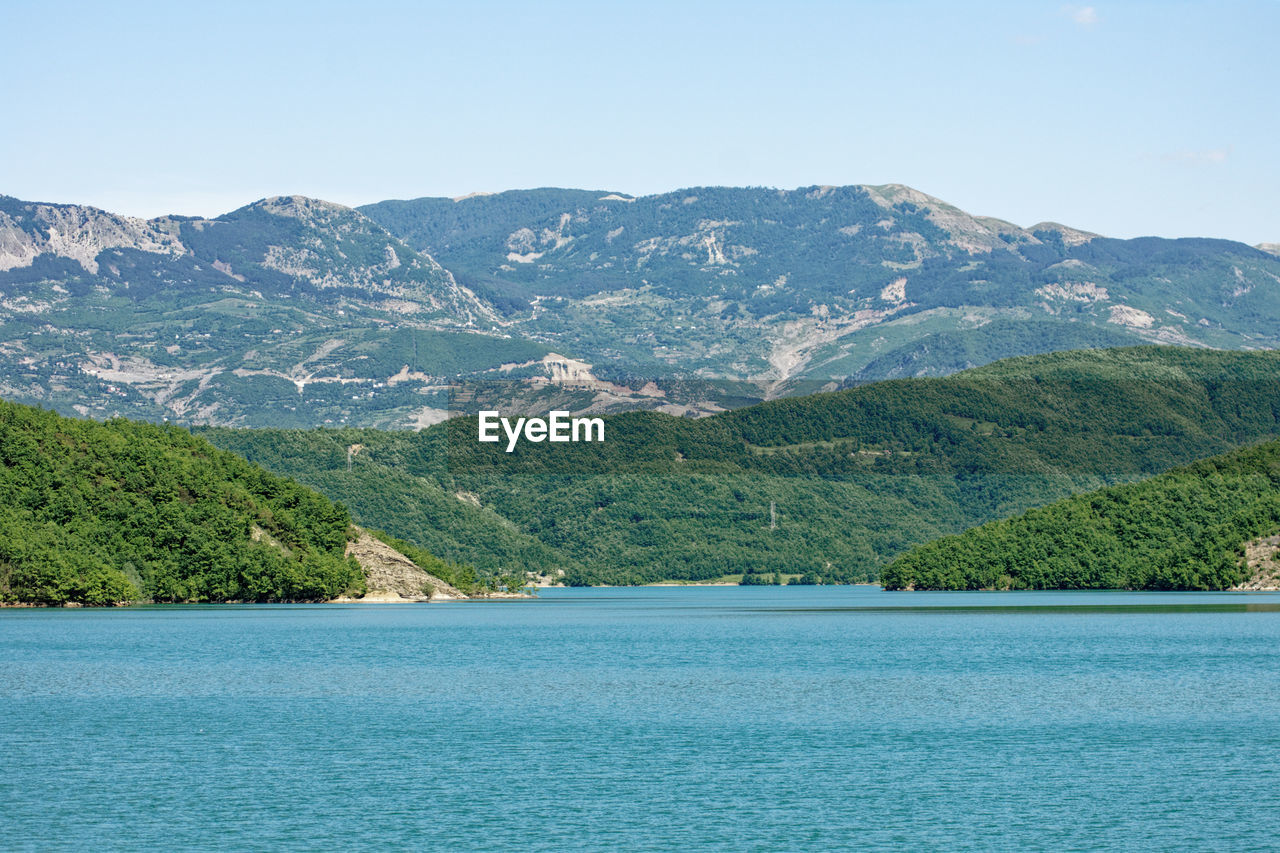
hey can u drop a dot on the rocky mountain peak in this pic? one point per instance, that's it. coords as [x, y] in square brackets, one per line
[1070, 236]
[77, 232]
[973, 234]
[304, 207]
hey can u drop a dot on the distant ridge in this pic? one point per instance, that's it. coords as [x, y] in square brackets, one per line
[299, 312]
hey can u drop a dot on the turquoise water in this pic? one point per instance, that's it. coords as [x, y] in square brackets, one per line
[655, 718]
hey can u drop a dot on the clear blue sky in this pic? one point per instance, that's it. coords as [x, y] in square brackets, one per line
[1123, 118]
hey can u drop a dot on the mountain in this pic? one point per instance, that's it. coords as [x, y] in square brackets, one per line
[827, 283]
[830, 486]
[291, 247]
[276, 312]
[1185, 529]
[295, 312]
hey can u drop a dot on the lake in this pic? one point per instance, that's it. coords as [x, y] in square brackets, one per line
[703, 718]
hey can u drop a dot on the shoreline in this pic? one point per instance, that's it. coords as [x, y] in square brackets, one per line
[383, 598]
[376, 598]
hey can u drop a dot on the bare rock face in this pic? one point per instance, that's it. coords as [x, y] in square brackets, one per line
[79, 233]
[965, 231]
[391, 576]
[1262, 557]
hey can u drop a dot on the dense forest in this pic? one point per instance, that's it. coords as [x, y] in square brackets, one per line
[103, 513]
[830, 487]
[1184, 529]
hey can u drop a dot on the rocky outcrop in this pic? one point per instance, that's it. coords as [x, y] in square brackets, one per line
[392, 577]
[1260, 557]
[81, 233]
[966, 232]
[339, 247]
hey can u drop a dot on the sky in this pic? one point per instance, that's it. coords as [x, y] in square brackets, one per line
[1124, 118]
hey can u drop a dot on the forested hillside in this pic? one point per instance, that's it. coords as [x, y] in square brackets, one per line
[102, 513]
[1184, 529]
[830, 486]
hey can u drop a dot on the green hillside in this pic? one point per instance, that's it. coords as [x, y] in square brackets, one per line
[831, 486]
[100, 513]
[1184, 529]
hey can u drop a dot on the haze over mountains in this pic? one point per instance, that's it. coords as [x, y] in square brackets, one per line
[298, 312]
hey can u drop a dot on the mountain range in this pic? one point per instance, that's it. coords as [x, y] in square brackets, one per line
[295, 312]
